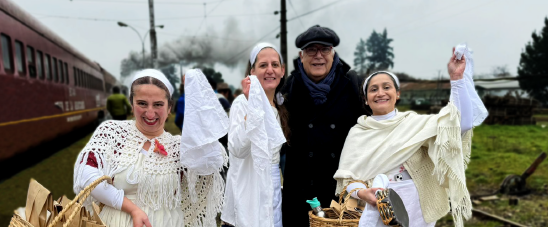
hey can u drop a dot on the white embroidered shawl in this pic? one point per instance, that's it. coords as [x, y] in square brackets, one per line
[117, 144]
[373, 147]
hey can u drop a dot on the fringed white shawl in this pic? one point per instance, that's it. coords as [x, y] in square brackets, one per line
[199, 156]
[373, 147]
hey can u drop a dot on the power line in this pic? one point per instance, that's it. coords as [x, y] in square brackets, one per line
[144, 2]
[234, 57]
[451, 16]
[322, 7]
[159, 19]
[291, 4]
[205, 16]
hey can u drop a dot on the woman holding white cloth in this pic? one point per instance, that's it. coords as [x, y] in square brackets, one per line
[255, 137]
[158, 179]
[424, 156]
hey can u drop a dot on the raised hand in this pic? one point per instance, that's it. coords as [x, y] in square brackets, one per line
[246, 84]
[456, 67]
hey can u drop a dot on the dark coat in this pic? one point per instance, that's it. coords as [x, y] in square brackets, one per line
[317, 138]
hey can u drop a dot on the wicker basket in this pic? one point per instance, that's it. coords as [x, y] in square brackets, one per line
[18, 221]
[347, 218]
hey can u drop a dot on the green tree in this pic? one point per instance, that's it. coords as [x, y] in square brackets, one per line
[380, 53]
[171, 74]
[533, 66]
[217, 76]
[360, 57]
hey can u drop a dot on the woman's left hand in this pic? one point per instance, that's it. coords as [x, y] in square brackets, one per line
[368, 195]
[456, 67]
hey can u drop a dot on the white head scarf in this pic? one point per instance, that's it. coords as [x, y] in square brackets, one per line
[380, 72]
[255, 51]
[155, 74]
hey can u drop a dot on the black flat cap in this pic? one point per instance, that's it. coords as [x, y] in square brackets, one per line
[317, 34]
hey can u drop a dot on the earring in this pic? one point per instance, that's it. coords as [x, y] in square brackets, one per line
[366, 103]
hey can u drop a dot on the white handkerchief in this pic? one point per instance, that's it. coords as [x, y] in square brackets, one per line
[204, 123]
[262, 127]
[479, 111]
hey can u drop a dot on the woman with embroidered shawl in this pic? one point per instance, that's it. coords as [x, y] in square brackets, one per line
[253, 187]
[424, 156]
[159, 179]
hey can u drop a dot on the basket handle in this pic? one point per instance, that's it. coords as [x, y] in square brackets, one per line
[347, 198]
[82, 196]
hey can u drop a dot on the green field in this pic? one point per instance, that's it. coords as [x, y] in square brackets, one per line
[496, 152]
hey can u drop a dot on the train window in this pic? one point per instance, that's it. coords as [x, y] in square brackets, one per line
[74, 76]
[47, 67]
[61, 72]
[6, 53]
[19, 57]
[39, 61]
[77, 77]
[30, 62]
[54, 71]
[66, 74]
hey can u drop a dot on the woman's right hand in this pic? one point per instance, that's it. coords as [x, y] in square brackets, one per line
[246, 84]
[140, 218]
[368, 195]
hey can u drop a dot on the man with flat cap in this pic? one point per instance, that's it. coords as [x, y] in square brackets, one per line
[323, 100]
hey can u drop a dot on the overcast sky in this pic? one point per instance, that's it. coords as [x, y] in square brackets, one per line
[423, 31]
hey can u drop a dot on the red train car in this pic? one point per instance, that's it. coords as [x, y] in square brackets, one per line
[48, 88]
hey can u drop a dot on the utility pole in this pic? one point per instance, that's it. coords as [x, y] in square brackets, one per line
[283, 34]
[153, 47]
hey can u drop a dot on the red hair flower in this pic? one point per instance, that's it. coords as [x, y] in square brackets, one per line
[159, 148]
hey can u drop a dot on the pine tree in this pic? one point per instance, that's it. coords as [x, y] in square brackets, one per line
[381, 55]
[533, 66]
[360, 57]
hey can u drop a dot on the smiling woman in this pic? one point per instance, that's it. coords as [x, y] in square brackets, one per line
[156, 175]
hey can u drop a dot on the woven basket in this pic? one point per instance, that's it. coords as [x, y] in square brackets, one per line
[18, 221]
[347, 218]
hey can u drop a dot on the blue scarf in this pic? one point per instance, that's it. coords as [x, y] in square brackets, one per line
[319, 91]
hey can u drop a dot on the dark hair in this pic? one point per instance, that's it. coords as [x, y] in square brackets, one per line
[154, 81]
[115, 89]
[364, 94]
[282, 111]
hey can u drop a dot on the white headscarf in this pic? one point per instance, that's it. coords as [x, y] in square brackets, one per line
[155, 74]
[380, 72]
[255, 51]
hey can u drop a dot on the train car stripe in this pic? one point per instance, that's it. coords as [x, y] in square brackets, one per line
[50, 116]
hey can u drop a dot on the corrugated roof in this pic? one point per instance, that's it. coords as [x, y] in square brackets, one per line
[426, 85]
[497, 85]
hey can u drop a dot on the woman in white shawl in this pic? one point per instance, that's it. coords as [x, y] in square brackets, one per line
[253, 187]
[158, 179]
[422, 157]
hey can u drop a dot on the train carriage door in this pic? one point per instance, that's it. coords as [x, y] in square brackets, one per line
[6, 53]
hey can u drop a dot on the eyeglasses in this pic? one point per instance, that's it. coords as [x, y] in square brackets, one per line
[311, 51]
